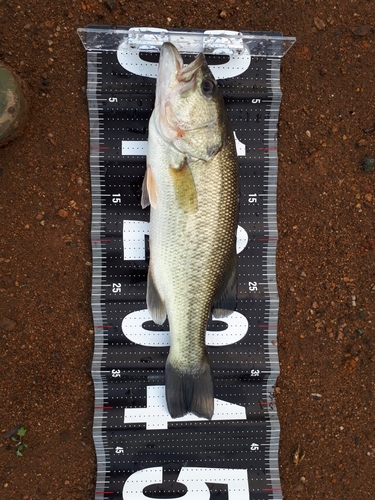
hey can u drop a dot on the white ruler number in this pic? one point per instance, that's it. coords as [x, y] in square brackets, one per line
[156, 415]
[194, 478]
[132, 327]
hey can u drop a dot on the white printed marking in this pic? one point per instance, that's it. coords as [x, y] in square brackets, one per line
[194, 478]
[156, 415]
[139, 148]
[240, 146]
[134, 148]
[236, 479]
[133, 237]
[242, 239]
[133, 330]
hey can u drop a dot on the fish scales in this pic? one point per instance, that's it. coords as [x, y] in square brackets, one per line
[191, 251]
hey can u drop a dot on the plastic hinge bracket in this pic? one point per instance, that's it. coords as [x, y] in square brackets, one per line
[223, 42]
[211, 41]
[147, 39]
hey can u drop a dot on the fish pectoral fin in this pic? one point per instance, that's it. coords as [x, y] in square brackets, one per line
[189, 392]
[155, 304]
[149, 194]
[184, 187]
[224, 302]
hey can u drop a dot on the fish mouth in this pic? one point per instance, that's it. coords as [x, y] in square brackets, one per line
[173, 73]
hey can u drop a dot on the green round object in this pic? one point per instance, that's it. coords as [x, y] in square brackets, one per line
[12, 106]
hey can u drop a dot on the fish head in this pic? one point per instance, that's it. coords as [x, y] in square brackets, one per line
[189, 109]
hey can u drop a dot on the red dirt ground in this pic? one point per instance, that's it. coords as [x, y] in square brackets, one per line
[326, 271]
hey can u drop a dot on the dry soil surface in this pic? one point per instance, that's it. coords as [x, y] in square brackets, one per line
[325, 266]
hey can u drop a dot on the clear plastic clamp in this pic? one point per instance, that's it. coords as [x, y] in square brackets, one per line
[257, 44]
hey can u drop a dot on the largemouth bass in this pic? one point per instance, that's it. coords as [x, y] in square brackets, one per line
[191, 183]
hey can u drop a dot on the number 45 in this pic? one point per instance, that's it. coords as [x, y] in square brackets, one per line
[194, 478]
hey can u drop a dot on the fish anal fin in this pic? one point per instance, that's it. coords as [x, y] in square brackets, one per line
[184, 187]
[224, 301]
[155, 304]
[189, 392]
[149, 193]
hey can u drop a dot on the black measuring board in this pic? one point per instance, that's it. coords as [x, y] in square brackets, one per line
[141, 451]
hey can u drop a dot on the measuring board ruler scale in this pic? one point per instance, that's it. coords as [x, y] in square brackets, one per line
[141, 451]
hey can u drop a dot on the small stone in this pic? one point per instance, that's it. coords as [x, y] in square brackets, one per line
[319, 23]
[7, 324]
[111, 5]
[12, 432]
[79, 222]
[360, 31]
[223, 14]
[316, 396]
[63, 213]
[64, 437]
[303, 53]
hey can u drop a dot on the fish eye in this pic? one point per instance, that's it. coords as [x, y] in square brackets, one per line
[207, 86]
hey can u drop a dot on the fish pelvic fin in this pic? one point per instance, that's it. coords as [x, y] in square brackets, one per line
[149, 194]
[155, 303]
[224, 302]
[184, 187]
[189, 392]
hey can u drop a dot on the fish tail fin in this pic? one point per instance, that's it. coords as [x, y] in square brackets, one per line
[189, 392]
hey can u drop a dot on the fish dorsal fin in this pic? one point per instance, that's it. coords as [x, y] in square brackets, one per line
[149, 193]
[184, 186]
[225, 299]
